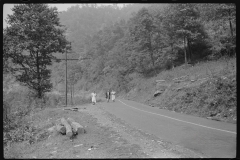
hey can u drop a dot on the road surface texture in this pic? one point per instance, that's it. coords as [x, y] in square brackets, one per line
[209, 138]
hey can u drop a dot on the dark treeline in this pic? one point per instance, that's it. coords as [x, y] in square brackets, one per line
[82, 22]
[118, 44]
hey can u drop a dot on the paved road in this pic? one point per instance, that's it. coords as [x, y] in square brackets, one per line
[210, 138]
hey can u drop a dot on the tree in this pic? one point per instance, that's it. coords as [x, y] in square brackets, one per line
[34, 34]
[220, 24]
[142, 30]
[164, 37]
[187, 26]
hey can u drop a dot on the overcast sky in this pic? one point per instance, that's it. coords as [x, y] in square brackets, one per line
[61, 7]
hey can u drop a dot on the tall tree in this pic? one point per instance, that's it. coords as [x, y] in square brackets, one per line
[220, 23]
[142, 30]
[185, 19]
[34, 34]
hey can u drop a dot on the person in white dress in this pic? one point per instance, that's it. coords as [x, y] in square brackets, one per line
[113, 95]
[94, 95]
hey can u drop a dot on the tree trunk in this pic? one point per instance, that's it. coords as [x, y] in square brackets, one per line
[231, 49]
[151, 55]
[189, 50]
[151, 52]
[231, 30]
[184, 48]
[66, 78]
[230, 23]
[71, 93]
[172, 48]
[39, 78]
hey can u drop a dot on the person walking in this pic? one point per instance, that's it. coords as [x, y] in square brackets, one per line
[113, 95]
[94, 95]
[108, 95]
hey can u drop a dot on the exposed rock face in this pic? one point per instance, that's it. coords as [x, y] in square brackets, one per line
[160, 89]
[157, 93]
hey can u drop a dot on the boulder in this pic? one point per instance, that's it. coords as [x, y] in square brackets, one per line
[157, 93]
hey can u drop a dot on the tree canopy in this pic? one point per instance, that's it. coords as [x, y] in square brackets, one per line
[155, 38]
[34, 33]
[118, 43]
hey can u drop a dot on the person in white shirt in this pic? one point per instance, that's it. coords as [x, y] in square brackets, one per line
[113, 95]
[94, 95]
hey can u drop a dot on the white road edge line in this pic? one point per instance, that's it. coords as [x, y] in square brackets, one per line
[178, 119]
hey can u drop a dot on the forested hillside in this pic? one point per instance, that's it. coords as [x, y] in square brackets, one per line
[180, 57]
[143, 40]
[82, 22]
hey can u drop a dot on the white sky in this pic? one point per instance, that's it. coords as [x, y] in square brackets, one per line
[61, 7]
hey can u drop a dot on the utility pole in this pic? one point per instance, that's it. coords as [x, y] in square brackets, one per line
[66, 82]
[66, 59]
[66, 78]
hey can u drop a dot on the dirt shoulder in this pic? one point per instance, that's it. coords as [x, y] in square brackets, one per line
[106, 137]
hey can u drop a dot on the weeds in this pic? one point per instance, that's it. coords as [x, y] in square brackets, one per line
[19, 105]
[216, 95]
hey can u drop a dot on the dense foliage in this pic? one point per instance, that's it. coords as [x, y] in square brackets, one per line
[119, 43]
[34, 33]
[154, 38]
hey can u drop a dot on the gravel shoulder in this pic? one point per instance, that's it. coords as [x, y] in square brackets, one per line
[106, 137]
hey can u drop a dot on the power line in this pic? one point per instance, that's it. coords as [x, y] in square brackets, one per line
[68, 59]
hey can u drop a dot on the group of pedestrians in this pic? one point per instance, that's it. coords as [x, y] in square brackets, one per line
[109, 95]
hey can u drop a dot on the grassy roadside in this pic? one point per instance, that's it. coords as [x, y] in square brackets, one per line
[207, 90]
[20, 110]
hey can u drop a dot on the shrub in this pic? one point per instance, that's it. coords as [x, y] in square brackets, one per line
[17, 106]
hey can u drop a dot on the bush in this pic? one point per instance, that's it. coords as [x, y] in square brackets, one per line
[18, 129]
[17, 106]
[80, 100]
[168, 65]
[52, 100]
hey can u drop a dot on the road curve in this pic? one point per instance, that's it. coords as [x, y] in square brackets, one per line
[210, 138]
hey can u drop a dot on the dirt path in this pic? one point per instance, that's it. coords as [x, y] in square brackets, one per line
[106, 137]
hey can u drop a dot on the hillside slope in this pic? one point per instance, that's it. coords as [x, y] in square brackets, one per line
[207, 89]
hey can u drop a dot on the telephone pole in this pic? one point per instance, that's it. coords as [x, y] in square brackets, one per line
[66, 78]
[66, 82]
